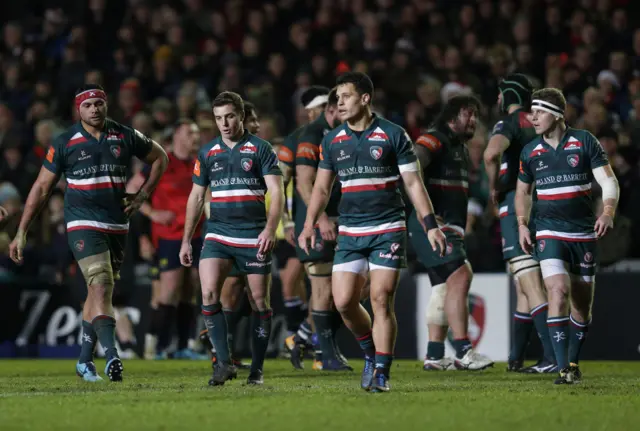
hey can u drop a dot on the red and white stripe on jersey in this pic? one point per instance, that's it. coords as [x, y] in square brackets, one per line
[97, 183]
[96, 225]
[566, 236]
[216, 149]
[458, 230]
[572, 144]
[566, 192]
[503, 168]
[340, 137]
[372, 230]
[503, 211]
[369, 184]
[233, 242]
[76, 139]
[449, 184]
[241, 195]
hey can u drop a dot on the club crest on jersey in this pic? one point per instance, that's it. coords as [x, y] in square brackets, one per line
[319, 245]
[541, 245]
[573, 160]
[588, 257]
[376, 152]
[248, 148]
[246, 164]
[115, 150]
[79, 245]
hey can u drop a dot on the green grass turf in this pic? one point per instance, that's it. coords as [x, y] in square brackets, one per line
[46, 395]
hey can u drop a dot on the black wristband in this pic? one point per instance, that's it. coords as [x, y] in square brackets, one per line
[430, 222]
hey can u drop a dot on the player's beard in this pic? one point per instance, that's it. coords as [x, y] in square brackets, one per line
[96, 122]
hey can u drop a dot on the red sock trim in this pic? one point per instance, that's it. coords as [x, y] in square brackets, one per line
[364, 337]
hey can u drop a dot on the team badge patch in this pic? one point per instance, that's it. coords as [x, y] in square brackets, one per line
[115, 150]
[449, 249]
[79, 245]
[588, 257]
[376, 152]
[541, 245]
[395, 247]
[246, 164]
[573, 160]
[319, 244]
[261, 257]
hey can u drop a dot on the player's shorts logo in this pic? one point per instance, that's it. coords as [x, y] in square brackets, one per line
[246, 164]
[260, 256]
[115, 150]
[449, 249]
[588, 257]
[541, 245]
[394, 247]
[79, 245]
[573, 160]
[319, 245]
[376, 152]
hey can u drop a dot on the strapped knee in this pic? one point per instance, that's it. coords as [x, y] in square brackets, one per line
[435, 309]
[522, 265]
[318, 269]
[99, 273]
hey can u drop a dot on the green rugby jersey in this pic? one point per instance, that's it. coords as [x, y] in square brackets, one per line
[447, 177]
[307, 153]
[563, 178]
[287, 156]
[368, 165]
[236, 179]
[519, 131]
[96, 174]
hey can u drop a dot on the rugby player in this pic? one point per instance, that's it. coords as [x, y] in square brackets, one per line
[501, 159]
[370, 155]
[562, 163]
[318, 262]
[95, 155]
[239, 168]
[174, 308]
[444, 158]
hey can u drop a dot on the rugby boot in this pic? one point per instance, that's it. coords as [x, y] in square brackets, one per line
[473, 361]
[114, 369]
[569, 375]
[442, 364]
[88, 372]
[515, 366]
[221, 373]
[366, 380]
[255, 378]
[239, 364]
[380, 381]
[541, 367]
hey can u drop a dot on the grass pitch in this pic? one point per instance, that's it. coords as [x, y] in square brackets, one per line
[167, 395]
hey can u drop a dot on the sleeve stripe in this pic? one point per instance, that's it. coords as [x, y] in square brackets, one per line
[408, 167]
[285, 155]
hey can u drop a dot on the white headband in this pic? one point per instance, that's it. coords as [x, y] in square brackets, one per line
[548, 107]
[319, 100]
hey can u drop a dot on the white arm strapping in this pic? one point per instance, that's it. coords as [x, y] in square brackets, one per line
[609, 185]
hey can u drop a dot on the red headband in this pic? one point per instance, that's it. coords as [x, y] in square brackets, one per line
[89, 94]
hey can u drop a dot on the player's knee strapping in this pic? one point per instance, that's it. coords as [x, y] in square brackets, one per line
[522, 265]
[435, 309]
[318, 269]
[99, 273]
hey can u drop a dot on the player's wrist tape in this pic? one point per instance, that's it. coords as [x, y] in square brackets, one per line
[430, 222]
[522, 221]
[609, 210]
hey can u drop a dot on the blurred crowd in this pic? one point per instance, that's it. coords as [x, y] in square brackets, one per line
[163, 60]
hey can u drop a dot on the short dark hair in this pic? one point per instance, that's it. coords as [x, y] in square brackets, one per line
[230, 98]
[249, 108]
[87, 87]
[360, 81]
[183, 121]
[333, 97]
[551, 95]
[452, 108]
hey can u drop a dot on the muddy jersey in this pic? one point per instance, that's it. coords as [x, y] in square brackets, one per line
[236, 179]
[447, 177]
[96, 174]
[368, 165]
[519, 131]
[562, 179]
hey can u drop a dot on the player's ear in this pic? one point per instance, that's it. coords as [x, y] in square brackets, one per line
[366, 98]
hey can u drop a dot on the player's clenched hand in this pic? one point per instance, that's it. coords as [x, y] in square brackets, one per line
[163, 217]
[308, 235]
[186, 254]
[525, 239]
[266, 240]
[437, 240]
[603, 225]
[327, 229]
[132, 202]
[16, 246]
